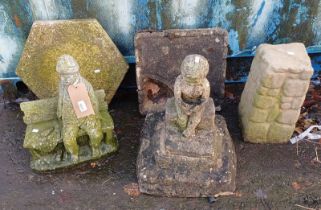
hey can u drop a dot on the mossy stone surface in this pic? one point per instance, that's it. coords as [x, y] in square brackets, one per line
[100, 61]
[44, 140]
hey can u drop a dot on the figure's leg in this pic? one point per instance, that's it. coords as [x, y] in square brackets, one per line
[70, 140]
[92, 127]
[193, 121]
[182, 118]
[35, 154]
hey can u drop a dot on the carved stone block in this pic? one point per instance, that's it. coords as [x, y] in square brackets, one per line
[274, 93]
[190, 168]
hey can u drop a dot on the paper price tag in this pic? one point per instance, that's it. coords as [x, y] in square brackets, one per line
[80, 100]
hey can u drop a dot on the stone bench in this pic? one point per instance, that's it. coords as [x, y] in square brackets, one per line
[43, 128]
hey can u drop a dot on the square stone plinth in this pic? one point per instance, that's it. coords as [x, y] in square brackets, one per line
[160, 54]
[207, 121]
[163, 172]
[200, 145]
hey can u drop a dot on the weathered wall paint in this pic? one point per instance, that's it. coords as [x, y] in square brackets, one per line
[51, 9]
[12, 35]
[262, 19]
[249, 22]
[187, 13]
[316, 26]
[116, 16]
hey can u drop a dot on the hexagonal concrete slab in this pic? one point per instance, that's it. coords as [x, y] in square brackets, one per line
[100, 61]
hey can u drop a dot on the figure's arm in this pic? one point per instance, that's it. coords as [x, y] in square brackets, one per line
[207, 90]
[177, 90]
[93, 98]
[205, 95]
[59, 106]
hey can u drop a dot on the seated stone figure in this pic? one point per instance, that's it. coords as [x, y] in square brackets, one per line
[55, 136]
[68, 70]
[191, 91]
[186, 151]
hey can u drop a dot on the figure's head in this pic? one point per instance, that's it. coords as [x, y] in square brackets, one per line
[194, 68]
[68, 69]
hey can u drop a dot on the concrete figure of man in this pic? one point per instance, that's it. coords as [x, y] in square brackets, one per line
[68, 69]
[71, 128]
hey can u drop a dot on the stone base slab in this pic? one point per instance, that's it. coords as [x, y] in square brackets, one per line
[61, 159]
[168, 174]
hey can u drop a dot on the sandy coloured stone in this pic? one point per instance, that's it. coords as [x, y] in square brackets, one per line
[273, 92]
[264, 102]
[276, 87]
[295, 88]
[273, 81]
[279, 131]
[285, 106]
[288, 116]
[259, 115]
[187, 151]
[100, 61]
[297, 102]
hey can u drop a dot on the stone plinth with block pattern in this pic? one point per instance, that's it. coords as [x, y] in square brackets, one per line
[274, 93]
[169, 164]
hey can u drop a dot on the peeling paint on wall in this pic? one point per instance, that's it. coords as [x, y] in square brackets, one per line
[263, 20]
[220, 11]
[249, 22]
[51, 9]
[316, 26]
[186, 13]
[8, 50]
[233, 38]
[302, 14]
[11, 44]
[118, 19]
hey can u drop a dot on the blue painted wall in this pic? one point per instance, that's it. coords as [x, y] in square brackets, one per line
[249, 22]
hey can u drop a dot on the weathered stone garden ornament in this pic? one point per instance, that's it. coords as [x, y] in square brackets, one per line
[70, 129]
[274, 92]
[191, 93]
[186, 151]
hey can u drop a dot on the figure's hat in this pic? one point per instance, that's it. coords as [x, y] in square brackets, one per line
[66, 64]
[195, 66]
